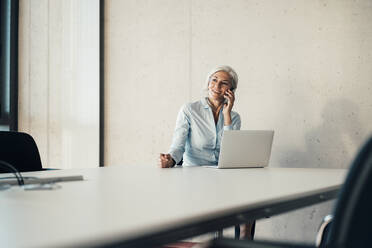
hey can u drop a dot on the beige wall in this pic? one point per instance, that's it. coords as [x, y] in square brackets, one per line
[147, 70]
[59, 80]
[304, 68]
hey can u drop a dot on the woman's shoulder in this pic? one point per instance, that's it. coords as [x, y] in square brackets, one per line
[193, 105]
[234, 114]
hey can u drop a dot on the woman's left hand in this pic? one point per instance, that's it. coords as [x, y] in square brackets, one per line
[230, 96]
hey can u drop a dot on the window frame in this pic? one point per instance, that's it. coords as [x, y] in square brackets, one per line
[9, 64]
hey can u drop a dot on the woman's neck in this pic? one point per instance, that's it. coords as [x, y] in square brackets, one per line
[215, 104]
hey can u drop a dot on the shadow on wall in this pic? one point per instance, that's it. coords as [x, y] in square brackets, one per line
[334, 143]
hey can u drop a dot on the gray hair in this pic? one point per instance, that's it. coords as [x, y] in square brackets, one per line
[228, 70]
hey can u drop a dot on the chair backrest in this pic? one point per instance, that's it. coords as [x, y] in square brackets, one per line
[351, 226]
[20, 150]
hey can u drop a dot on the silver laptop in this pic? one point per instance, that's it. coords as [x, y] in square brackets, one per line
[245, 148]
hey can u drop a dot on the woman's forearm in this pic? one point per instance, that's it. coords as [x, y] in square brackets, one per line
[227, 119]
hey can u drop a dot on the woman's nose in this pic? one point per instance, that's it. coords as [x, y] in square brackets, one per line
[217, 86]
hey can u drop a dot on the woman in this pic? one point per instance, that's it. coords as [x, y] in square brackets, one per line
[200, 125]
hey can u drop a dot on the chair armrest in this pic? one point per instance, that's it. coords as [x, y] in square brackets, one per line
[323, 231]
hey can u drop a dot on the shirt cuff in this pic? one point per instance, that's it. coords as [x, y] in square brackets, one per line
[229, 127]
[176, 156]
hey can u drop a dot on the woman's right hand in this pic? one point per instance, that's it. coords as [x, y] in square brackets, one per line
[166, 161]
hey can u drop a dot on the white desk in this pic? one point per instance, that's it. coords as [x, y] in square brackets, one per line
[147, 204]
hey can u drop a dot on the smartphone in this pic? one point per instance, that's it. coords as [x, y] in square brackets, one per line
[226, 100]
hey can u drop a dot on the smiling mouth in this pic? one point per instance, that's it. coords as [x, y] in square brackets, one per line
[215, 92]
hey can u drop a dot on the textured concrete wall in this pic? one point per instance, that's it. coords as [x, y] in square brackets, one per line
[147, 75]
[59, 80]
[304, 68]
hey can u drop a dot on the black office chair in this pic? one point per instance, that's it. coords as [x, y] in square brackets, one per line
[19, 150]
[351, 225]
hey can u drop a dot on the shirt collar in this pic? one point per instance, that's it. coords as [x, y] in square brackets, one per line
[204, 102]
[206, 105]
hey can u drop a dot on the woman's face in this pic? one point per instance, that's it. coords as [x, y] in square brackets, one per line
[218, 84]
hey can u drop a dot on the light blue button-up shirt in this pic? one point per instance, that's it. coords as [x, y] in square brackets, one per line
[196, 137]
